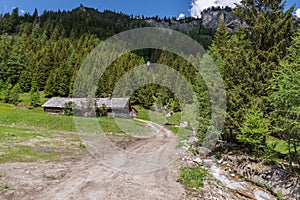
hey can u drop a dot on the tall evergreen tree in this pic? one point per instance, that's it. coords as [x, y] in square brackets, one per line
[269, 26]
[247, 59]
[15, 20]
[284, 88]
[35, 99]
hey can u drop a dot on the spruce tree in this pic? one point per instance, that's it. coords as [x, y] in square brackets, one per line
[284, 97]
[12, 93]
[7, 91]
[269, 26]
[51, 88]
[248, 57]
[35, 99]
[15, 19]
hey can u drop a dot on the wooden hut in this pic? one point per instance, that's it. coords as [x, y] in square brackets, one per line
[114, 107]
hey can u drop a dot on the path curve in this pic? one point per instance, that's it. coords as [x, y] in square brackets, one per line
[89, 179]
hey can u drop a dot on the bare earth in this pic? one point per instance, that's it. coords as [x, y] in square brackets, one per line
[84, 177]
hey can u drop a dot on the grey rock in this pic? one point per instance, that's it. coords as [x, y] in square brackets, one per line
[198, 161]
[212, 19]
[184, 124]
[220, 161]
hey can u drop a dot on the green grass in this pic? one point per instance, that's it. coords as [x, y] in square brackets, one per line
[24, 99]
[281, 146]
[6, 187]
[37, 119]
[150, 115]
[34, 119]
[157, 117]
[11, 132]
[279, 196]
[24, 154]
[19, 145]
[23, 132]
[176, 119]
[193, 177]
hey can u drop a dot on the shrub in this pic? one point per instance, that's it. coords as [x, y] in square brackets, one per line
[255, 129]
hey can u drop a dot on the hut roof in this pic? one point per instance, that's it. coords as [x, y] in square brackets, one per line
[57, 102]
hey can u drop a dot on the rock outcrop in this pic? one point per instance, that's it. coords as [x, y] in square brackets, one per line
[183, 24]
[274, 177]
[212, 18]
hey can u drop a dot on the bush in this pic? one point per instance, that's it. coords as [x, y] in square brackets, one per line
[69, 106]
[102, 111]
[255, 130]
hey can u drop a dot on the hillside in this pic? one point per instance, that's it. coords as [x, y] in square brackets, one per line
[84, 20]
[44, 52]
[239, 99]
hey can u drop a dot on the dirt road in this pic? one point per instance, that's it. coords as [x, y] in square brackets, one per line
[89, 178]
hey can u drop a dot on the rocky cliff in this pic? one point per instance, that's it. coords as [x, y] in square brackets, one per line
[209, 19]
[212, 18]
[183, 24]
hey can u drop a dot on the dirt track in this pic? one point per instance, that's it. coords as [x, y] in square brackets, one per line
[88, 178]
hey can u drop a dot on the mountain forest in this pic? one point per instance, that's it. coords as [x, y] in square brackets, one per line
[259, 61]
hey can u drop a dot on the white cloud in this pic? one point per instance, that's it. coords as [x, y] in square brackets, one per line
[181, 16]
[22, 11]
[298, 12]
[200, 5]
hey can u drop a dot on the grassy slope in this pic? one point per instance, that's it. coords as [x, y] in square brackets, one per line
[30, 135]
[37, 119]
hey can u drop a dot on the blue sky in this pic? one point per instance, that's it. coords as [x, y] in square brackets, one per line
[161, 8]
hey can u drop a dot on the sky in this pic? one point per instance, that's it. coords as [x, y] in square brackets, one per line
[148, 8]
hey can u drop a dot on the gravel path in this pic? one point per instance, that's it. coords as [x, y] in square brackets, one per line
[88, 178]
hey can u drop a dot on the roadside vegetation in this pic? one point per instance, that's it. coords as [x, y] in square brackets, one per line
[41, 55]
[261, 76]
[193, 178]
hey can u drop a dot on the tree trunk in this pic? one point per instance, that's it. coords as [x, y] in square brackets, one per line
[295, 149]
[289, 147]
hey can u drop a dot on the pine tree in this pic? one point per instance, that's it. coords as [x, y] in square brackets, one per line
[35, 16]
[44, 67]
[17, 60]
[247, 58]
[51, 88]
[15, 20]
[270, 26]
[255, 130]
[25, 80]
[56, 33]
[11, 94]
[4, 56]
[6, 93]
[284, 97]
[35, 99]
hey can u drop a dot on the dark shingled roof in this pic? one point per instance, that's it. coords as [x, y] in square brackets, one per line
[57, 102]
